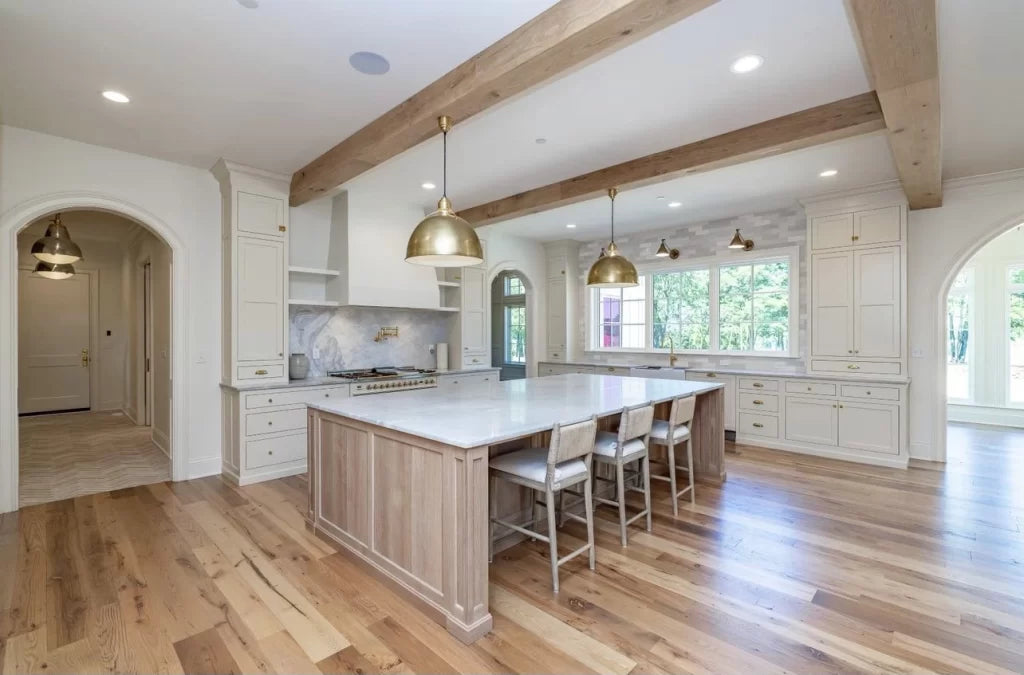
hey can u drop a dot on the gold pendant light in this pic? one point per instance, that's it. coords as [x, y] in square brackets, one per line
[52, 271]
[442, 239]
[55, 246]
[612, 270]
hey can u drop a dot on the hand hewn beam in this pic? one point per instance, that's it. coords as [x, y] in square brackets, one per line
[566, 36]
[899, 46]
[841, 119]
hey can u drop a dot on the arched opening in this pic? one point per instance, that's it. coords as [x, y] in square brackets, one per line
[152, 242]
[509, 324]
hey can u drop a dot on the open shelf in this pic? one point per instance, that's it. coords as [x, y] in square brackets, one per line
[314, 303]
[313, 270]
[448, 309]
[449, 284]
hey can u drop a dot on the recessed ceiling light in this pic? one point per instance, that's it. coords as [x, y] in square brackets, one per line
[115, 96]
[428, 186]
[369, 63]
[571, 226]
[746, 64]
[540, 141]
[660, 197]
[674, 205]
[828, 173]
[249, 4]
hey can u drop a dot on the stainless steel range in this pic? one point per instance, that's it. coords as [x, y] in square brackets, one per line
[384, 380]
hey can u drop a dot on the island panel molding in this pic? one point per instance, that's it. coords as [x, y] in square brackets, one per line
[569, 34]
[845, 118]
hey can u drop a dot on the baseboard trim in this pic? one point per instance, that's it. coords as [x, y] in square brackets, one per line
[250, 477]
[982, 414]
[130, 414]
[162, 441]
[201, 468]
[894, 461]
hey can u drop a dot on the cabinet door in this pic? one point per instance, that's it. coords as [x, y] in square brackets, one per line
[556, 267]
[261, 301]
[556, 314]
[474, 311]
[261, 215]
[877, 302]
[869, 426]
[811, 421]
[877, 226]
[832, 304]
[832, 231]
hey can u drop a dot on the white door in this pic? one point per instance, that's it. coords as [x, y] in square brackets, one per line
[869, 426]
[832, 231]
[474, 311]
[877, 226]
[147, 332]
[53, 343]
[877, 302]
[811, 421]
[832, 304]
[261, 313]
[261, 215]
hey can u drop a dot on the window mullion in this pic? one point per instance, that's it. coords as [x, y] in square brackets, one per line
[713, 288]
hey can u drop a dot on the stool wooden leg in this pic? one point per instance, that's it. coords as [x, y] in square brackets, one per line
[493, 505]
[646, 463]
[588, 504]
[552, 539]
[561, 513]
[620, 484]
[670, 448]
[689, 464]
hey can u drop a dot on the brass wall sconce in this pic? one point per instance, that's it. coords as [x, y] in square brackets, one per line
[666, 252]
[386, 332]
[739, 243]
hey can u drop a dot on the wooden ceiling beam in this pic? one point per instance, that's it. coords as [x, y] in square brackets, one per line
[568, 35]
[899, 46]
[848, 117]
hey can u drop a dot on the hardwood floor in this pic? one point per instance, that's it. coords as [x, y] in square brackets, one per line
[65, 456]
[794, 565]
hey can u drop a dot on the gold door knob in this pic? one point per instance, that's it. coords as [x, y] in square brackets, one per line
[85, 357]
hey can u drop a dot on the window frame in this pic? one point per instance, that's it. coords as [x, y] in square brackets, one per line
[506, 309]
[594, 322]
[1009, 288]
[970, 292]
[790, 254]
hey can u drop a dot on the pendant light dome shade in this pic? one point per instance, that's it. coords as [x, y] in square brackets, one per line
[56, 247]
[442, 239]
[612, 270]
[52, 271]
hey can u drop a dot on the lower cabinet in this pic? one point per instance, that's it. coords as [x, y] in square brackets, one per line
[462, 380]
[870, 427]
[812, 421]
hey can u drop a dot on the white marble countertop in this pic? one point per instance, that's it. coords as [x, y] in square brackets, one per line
[336, 381]
[485, 414]
[742, 372]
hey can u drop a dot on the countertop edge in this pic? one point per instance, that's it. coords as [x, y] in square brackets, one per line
[334, 381]
[741, 372]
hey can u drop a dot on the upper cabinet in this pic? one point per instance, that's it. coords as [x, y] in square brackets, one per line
[857, 268]
[255, 273]
[470, 336]
[562, 298]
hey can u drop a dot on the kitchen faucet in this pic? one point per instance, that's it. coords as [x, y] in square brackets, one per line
[672, 358]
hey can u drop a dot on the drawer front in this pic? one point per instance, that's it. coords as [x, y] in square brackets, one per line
[752, 424]
[260, 372]
[758, 384]
[556, 355]
[759, 402]
[880, 393]
[475, 378]
[280, 450]
[857, 367]
[610, 370]
[548, 370]
[266, 399]
[816, 388]
[278, 420]
[474, 361]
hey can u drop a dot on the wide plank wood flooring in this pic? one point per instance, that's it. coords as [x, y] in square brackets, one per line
[65, 456]
[794, 565]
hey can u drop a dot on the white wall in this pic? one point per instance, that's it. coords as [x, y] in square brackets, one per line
[974, 211]
[41, 169]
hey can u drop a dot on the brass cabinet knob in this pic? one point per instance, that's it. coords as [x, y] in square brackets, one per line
[758, 385]
[261, 372]
[270, 452]
[758, 402]
[270, 424]
[270, 400]
[758, 425]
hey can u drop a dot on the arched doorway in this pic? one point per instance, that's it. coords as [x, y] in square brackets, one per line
[14, 221]
[496, 276]
[509, 325]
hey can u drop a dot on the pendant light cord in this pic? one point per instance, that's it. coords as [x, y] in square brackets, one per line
[444, 171]
[613, 220]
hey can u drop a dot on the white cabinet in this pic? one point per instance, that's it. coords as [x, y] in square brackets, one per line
[876, 302]
[556, 320]
[811, 420]
[470, 336]
[870, 427]
[255, 274]
[561, 299]
[833, 231]
[730, 393]
[458, 381]
[832, 304]
[859, 228]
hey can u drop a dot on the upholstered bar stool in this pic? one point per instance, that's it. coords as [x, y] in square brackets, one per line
[564, 463]
[670, 432]
[625, 447]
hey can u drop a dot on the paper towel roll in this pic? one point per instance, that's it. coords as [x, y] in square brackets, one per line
[441, 351]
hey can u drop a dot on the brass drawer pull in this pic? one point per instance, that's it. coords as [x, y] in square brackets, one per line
[711, 375]
[758, 425]
[261, 372]
[758, 385]
[758, 402]
[853, 366]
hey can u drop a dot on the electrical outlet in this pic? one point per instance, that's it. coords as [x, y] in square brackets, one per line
[917, 353]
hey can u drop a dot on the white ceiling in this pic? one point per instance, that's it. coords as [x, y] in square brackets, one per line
[269, 87]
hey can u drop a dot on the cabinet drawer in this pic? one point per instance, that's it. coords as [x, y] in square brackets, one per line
[881, 393]
[548, 370]
[759, 384]
[266, 399]
[752, 424]
[474, 361]
[816, 388]
[759, 402]
[260, 372]
[556, 355]
[278, 420]
[279, 450]
[609, 370]
[473, 379]
[857, 367]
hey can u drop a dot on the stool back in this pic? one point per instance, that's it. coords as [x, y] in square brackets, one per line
[682, 411]
[635, 422]
[569, 441]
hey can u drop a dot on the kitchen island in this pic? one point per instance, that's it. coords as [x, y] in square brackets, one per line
[401, 480]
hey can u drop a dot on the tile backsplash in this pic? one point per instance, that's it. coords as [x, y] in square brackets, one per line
[341, 338]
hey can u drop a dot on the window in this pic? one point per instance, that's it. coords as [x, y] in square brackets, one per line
[753, 307]
[681, 309]
[621, 314]
[1015, 326]
[959, 325]
[514, 286]
[515, 334]
[705, 306]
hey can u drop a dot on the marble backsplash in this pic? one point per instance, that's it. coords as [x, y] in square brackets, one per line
[342, 338]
